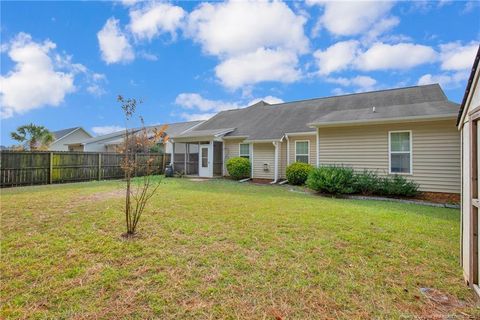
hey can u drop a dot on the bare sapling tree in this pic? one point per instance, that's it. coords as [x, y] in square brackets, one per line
[137, 160]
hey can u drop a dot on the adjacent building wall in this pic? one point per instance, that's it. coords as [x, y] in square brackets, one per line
[313, 148]
[263, 153]
[75, 137]
[472, 102]
[231, 149]
[436, 151]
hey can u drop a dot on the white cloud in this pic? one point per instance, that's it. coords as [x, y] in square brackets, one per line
[446, 80]
[267, 99]
[348, 18]
[254, 41]
[455, 56]
[242, 27]
[35, 80]
[360, 83]
[336, 57]
[114, 44]
[129, 3]
[147, 56]
[155, 18]
[196, 101]
[381, 56]
[101, 130]
[261, 65]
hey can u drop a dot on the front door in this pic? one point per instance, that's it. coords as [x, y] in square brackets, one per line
[204, 163]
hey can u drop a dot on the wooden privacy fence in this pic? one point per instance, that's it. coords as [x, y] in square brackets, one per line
[18, 168]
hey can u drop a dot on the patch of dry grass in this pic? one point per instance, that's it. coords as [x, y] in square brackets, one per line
[219, 249]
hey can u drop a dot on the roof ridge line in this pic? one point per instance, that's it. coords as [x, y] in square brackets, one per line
[355, 93]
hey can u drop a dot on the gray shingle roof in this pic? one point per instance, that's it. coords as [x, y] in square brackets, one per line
[416, 110]
[204, 133]
[263, 121]
[61, 133]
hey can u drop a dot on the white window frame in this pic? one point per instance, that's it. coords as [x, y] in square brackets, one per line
[249, 150]
[390, 152]
[308, 150]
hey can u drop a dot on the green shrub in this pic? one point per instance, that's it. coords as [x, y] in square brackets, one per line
[367, 182]
[397, 186]
[297, 173]
[238, 168]
[332, 179]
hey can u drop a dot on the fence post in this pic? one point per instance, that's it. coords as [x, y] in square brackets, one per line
[50, 171]
[99, 166]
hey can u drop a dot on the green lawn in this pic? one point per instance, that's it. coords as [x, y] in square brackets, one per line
[223, 250]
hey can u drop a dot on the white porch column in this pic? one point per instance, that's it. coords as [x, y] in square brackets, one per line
[275, 176]
[210, 159]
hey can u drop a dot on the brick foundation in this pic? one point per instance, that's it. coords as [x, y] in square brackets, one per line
[439, 197]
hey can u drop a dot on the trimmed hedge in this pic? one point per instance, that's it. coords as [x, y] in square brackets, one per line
[332, 179]
[238, 168]
[343, 180]
[297, 173]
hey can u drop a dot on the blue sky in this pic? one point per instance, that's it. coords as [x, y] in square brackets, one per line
[64, 63]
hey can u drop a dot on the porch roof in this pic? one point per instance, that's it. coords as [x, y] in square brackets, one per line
[209, 133]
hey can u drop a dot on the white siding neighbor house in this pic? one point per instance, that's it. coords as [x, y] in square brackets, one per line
[110, 142]
[66, 137]
[468, 123]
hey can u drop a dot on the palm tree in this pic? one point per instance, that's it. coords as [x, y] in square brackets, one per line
[33, 137]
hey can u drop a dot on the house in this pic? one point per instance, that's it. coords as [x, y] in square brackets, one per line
[468, 124]
[65, 137]
[110, 142]
[407, 131]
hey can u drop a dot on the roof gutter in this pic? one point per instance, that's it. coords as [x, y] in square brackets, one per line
[381, 121]
[264, 140]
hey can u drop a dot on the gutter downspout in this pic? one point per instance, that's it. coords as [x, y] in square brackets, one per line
[275, 143]
[288, 150]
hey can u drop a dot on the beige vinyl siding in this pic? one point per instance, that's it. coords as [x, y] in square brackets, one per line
[312, 157]
[232, 149]
[436, 151]
[263, 153]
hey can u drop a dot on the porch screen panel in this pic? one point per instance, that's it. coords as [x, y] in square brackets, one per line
[179, 159]
[217, 158]
[192, 159]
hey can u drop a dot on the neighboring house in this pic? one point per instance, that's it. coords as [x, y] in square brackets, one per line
[66, 137]
[408, 131]
[468, 124]
[110, 142]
